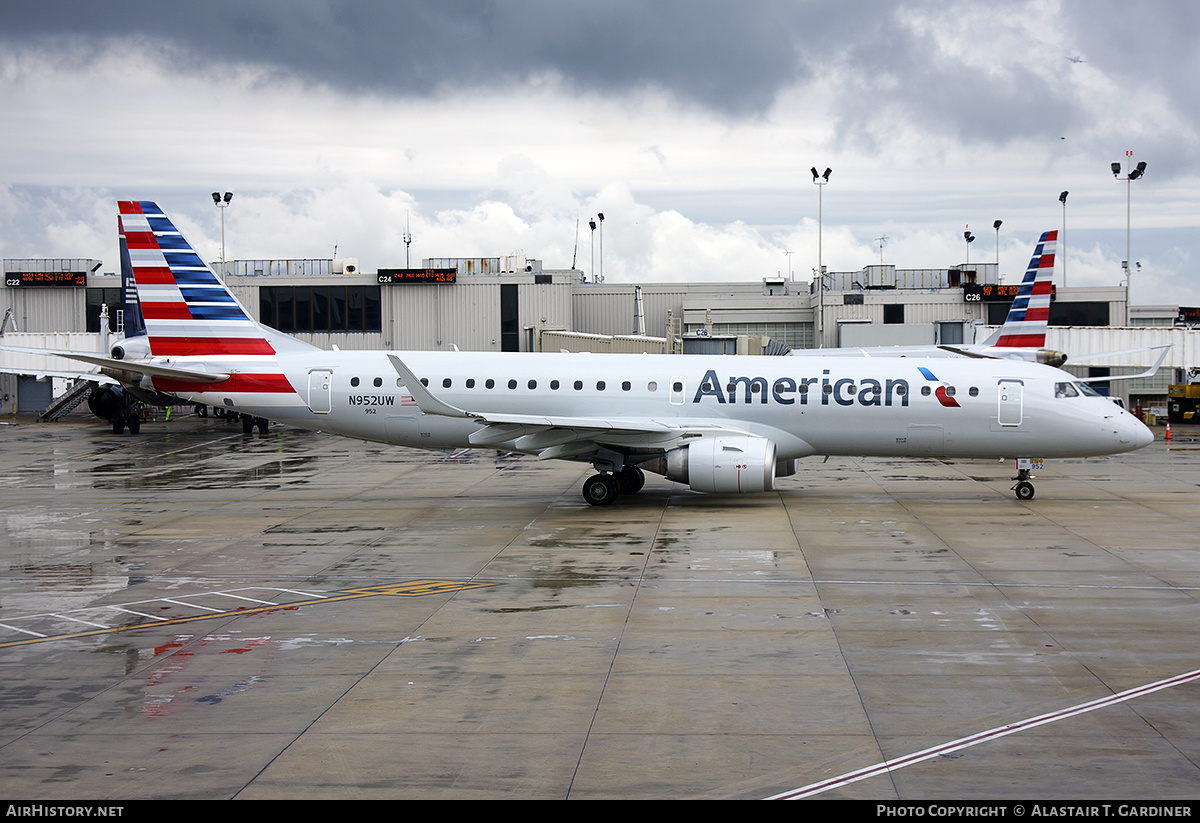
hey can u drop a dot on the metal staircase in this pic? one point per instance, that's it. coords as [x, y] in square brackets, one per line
[65, 403]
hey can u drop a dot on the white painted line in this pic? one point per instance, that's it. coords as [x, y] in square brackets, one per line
[247, 599]
[137, 614]
[983, 737]
[190, 605]
[79, 620]
[22, 631]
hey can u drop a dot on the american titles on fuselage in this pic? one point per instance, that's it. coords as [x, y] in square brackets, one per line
[734, 390]
[788, 391]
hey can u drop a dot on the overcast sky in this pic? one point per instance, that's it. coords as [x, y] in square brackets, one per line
[491, 127]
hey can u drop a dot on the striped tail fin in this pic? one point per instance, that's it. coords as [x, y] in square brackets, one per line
[1025, 326]
[187, 310]
[191, 318]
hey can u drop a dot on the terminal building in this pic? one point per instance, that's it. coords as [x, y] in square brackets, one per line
[514, 303]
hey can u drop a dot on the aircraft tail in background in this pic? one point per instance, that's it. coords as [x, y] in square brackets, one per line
[1025, 326]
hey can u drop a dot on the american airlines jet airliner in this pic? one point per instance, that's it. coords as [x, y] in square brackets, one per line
[720, 424]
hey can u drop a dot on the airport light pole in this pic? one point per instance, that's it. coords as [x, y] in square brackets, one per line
[996, 226]
[820, 180]
[407, 241]
[600, 217]
[592, 223]
[1062, 198]
[970, 238]
[1134, 173]
[222, 203]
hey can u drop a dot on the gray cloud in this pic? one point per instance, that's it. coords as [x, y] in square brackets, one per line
[719, 55]
[734, 59]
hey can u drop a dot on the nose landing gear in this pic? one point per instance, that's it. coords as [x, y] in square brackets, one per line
[1023, 488]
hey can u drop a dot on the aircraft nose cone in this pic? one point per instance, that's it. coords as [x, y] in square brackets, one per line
[1145, 437]
[1136, 433]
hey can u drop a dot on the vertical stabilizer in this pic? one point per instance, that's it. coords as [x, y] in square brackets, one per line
[1025, 326]
[192, 320]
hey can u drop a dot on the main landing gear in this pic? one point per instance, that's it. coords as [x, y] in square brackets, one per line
[249, 423]
[604, 488]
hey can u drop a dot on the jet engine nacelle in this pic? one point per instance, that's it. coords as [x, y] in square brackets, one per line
[1050, 357]
[725, 464]
[105, 401]
[131, 348]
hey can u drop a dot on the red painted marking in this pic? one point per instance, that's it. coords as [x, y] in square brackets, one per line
[141, 240]
[236, 384]
[186, 346]
[1021, 341]
[945, 399]
[166, 311]
[153, 276]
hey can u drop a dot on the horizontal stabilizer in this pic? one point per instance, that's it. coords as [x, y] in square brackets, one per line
[130, 366]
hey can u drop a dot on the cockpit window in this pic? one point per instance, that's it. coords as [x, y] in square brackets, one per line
[1075, 390]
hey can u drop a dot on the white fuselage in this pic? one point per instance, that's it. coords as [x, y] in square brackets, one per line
[805, 404]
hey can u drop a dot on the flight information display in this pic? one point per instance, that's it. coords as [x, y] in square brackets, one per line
[994, 292]
[390, 277]
[46, 279]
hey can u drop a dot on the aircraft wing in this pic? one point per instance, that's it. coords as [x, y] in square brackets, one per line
[1150, 372]
[965, 352]
[95, 377]
[131, 367]
[558, 436]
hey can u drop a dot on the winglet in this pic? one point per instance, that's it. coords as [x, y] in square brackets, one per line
[426, 402]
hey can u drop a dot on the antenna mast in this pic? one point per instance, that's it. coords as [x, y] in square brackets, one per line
[407, 242]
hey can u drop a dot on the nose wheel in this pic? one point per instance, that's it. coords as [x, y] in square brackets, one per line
[1024, 489]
